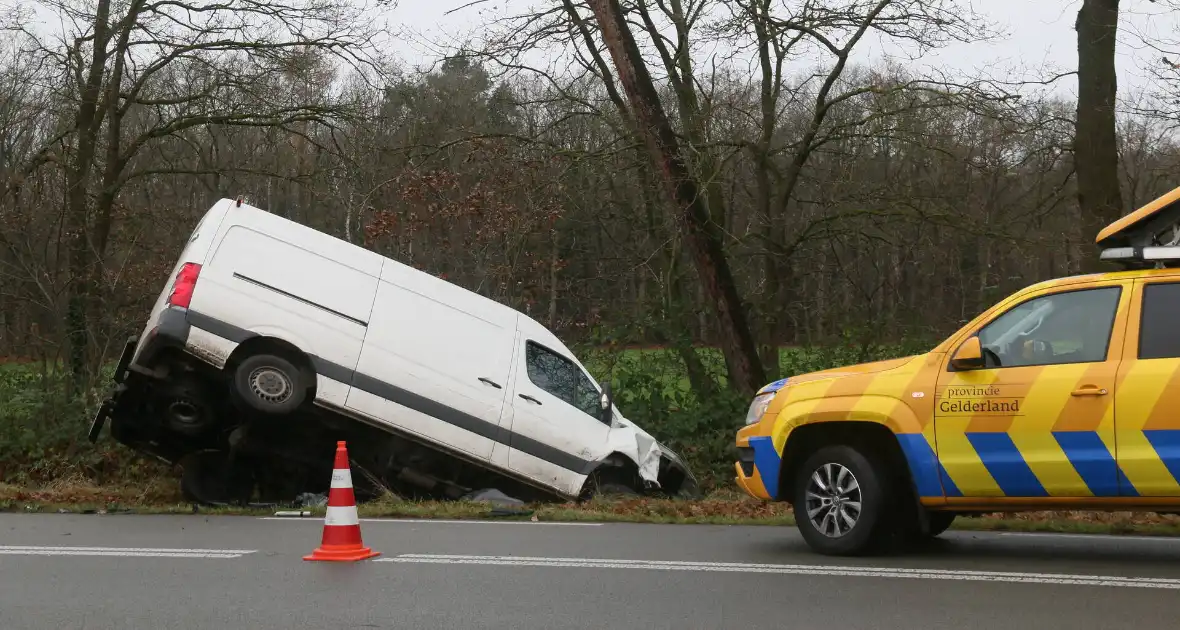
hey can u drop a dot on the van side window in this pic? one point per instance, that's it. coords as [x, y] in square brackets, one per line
[561, 377]
[1159, 338]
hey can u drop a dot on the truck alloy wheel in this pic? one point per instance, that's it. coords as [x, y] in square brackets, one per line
[841, 496]
[833, 500]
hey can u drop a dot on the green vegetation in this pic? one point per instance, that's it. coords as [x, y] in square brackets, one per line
[43, 433]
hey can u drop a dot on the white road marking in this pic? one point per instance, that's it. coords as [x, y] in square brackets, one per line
[1159, 539]
[320, 520]
[796, 569]
[128, 552]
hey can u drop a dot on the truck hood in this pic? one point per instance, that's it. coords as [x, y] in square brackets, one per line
[850, 370]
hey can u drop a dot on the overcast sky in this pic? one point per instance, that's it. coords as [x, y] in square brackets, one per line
[1038, 34]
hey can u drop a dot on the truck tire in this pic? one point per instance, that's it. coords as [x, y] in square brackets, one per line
[940, 522]
[842, 501]
[270, 384]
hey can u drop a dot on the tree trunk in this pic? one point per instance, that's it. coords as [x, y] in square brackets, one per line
[79, 250]
[1096, 155]
[737, 343]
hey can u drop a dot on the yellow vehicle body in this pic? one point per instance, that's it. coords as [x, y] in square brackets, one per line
[1089, 419]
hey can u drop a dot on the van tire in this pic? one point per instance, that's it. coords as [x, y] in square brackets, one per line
[208, 478]
[872, 525]
[270, 384]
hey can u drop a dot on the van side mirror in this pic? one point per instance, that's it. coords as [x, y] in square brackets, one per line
[969, 356]
[605, 405]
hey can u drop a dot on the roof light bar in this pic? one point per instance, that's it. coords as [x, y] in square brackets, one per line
[1157, 254]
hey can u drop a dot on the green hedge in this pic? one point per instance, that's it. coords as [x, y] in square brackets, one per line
[43, 427]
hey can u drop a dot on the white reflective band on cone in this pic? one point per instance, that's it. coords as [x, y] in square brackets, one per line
[341, 516]
[341, 478]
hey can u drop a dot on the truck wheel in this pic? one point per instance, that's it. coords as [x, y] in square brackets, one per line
[841, 498]
[270, 384]
[940, 522]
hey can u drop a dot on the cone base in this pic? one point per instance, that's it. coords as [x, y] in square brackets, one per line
[333, 553]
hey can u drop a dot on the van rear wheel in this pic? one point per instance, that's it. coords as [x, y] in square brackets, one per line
[212, 478]
[270, 384]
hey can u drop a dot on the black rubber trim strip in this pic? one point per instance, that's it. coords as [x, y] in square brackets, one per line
[219, 328]
[417, 402]
[300, 299]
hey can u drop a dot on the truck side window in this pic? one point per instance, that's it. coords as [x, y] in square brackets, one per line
[1057, 329]
[1159, 338]
[561, 377]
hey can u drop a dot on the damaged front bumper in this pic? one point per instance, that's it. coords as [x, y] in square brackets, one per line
[673, 471]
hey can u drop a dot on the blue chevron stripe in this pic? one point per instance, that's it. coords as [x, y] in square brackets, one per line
[1166, 443]
[924, 466]
[1006, 465]
[1091, 459]
[767, 462]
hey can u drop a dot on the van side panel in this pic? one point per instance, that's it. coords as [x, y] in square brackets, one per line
[267, 284]
[436, 361]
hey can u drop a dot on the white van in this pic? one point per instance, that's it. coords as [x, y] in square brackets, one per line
[272, 340]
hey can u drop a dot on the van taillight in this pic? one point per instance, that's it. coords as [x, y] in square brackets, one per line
[182, 288]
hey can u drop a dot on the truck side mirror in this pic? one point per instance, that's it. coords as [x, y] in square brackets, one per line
[605, 404]
[969, 356]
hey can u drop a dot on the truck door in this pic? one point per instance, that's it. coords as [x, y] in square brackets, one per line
[1147, 426]
[1037, 419]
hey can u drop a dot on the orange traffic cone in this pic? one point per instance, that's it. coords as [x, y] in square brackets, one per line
[342, 528]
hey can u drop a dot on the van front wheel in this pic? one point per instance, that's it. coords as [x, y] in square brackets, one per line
[270, 384]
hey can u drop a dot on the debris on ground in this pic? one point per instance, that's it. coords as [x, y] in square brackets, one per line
[311, 499]
[493, 496]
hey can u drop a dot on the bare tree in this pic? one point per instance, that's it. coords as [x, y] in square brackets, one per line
[1095, 141]
[131, 74]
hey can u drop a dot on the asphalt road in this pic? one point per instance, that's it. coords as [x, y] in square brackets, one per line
[185, 572]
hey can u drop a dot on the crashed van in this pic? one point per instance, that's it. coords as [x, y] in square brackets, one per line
[271, 341]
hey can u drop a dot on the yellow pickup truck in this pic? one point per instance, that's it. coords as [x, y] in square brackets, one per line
[1065, 395]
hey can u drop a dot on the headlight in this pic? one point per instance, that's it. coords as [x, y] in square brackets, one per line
[758, 407]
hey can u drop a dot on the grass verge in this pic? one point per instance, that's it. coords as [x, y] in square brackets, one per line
[720, 508]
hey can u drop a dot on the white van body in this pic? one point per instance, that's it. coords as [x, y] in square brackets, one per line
[401, 350]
